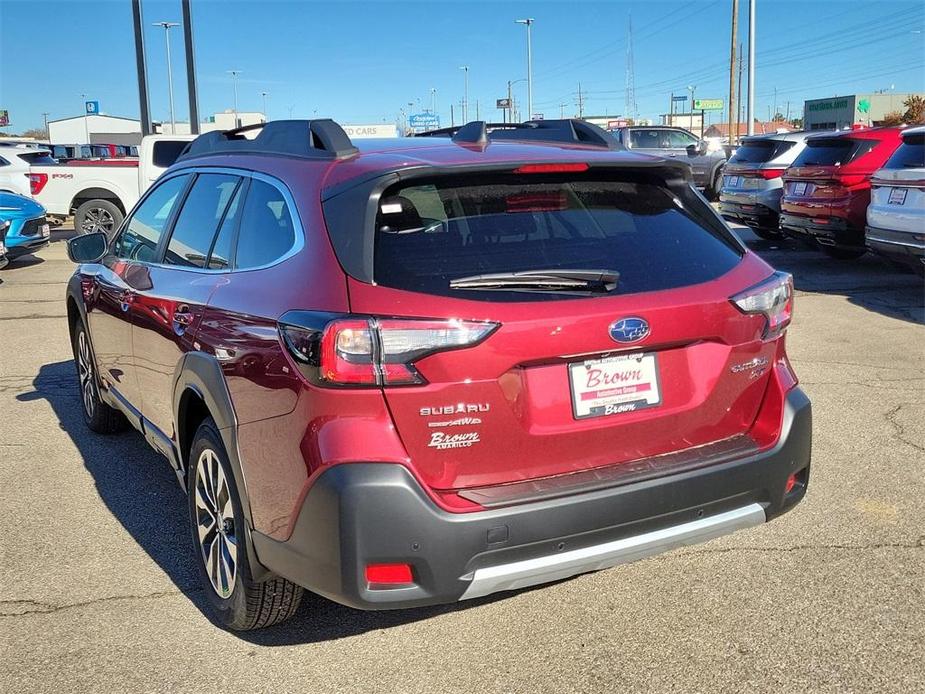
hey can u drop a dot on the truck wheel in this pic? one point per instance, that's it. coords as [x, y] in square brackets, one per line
[219, 534]
[97, 215]
[99, 416]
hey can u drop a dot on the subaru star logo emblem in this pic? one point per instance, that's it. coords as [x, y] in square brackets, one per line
[629, 330]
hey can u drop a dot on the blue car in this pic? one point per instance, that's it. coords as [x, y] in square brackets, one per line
[23, 228]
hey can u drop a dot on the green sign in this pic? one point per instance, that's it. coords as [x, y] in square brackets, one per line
[863, 106]
[828, 105]
[708, 104]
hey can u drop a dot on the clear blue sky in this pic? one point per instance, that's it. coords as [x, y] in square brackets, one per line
[360, 62]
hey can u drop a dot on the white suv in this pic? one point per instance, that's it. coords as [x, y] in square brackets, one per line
[15, 160]
[896, 215]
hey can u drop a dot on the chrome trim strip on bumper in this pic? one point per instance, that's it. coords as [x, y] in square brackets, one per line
[554, 567]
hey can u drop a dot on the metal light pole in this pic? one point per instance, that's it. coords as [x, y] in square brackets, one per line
[529, 24]
[692, 88]
[167, 26]
[264, 95]
[433, 100]
[86, 122]
[234, 79]
[750, 111]
[465, 105]
[142, 70]
[191, 89]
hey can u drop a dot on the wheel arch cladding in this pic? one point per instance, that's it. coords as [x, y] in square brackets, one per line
[88, 194]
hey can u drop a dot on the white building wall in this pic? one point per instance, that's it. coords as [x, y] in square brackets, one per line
[68, 131]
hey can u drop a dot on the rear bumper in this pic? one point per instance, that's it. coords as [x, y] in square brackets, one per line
[904, 246]
[366, 513]
[750, 214]
[834, 232]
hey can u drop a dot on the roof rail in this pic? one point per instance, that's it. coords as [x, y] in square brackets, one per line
[571, 130]
[312, 139]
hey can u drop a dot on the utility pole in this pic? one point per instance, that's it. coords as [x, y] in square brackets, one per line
[692, 88]
[167, 26]
[581, 102]
[775, 101]
[788, 110]
[86, 122]
[478, 115]
[562, 110]
[266, 117]
[739, 91]
[465, 103]
[750, 111]
[452, 117]
[190, 68]
[234, 79]
[433, 101]
[733, 134]
[630, 96]
[529, 24]
[45, 115]
[142, 70]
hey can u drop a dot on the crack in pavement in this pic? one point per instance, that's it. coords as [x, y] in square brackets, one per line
[22, 608]
[917, 544]
[900, 429]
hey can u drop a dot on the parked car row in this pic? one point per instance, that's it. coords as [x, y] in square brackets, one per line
[842, 192]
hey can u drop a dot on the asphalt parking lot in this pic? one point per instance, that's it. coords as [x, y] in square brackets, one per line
[98, 590]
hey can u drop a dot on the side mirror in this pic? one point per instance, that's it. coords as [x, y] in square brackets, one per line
[87, 248]
[697, 149]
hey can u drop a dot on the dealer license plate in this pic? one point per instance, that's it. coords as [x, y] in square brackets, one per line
[46, 231]
[897, 196]
[799, 189]
[614, 385]
[733, 181]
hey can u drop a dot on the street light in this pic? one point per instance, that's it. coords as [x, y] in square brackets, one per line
[692, 88]
[167, 26]
[433, 100]
[465, 68]
[264, 95]
[528, 23]
[234, 78]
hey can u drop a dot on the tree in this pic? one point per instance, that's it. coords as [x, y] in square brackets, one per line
[915, 110]
[796, 122]
[778, 117]
[37, 133]
[893, 118]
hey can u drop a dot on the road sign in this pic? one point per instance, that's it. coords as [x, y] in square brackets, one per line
[4, 118]
[93, 107]
[538, 116]
[708, 104]
[679, 98]
[425, 121]
[502, 103]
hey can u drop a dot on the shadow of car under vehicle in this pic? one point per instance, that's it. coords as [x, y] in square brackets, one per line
[140, 490]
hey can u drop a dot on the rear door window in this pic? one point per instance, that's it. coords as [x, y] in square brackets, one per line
[910, 154]
[680, 140]
[142, 233]
[429, 234]
[267, 231]
[649, 139]
[202, 211]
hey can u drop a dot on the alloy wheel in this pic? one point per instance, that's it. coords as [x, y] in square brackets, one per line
[85, 374]
[215, 526]
[97, 219]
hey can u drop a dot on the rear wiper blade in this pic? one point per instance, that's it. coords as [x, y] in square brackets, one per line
[580, 280]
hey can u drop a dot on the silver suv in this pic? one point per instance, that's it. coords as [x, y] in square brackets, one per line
[705, 161]
[752, 183]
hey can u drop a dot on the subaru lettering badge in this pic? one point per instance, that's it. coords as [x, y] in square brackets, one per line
[628, 330]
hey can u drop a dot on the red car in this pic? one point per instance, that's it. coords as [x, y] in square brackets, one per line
[423, 370]
[827, 188]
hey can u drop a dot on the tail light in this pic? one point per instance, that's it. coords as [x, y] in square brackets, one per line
[773, 299]
[771, 174]
[360, 351]
[37, 181]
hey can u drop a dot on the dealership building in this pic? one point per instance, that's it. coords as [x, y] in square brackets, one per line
[844, 111]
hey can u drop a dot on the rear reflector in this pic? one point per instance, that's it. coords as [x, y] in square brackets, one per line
[551, 168]
[791, 483]
[772, 298]
[389, 573]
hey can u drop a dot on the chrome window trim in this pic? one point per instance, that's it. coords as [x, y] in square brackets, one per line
[243, 173]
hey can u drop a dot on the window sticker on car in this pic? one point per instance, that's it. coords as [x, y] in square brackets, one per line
[897, 196]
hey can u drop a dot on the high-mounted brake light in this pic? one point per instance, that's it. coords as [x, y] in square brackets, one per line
[37, 181]
[772, 298]
[551, 168]
[377, 351]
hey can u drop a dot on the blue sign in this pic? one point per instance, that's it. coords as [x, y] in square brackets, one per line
[93, 107]
[679, 98]
[426, 121]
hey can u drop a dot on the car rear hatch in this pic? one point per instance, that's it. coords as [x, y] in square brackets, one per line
[817, 184]
[570, 371]
[753, 168]
[898, 189]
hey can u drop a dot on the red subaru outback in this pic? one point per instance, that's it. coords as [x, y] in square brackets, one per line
[424, 370]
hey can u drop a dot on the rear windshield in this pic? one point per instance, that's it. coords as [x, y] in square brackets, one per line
[833, 152]
[40, 158]
[428, 234]
[166, 152]
[910, 155]
[760, 151]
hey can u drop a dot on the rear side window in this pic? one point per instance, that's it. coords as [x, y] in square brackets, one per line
[760, 151]
[37, 158]
[165, 152]
[910, 154]
[429, 234]
[680, 140]
[266, 232]
[143, 232]
[199, 218]
[835, 151]
[649, 139]
[4, 162]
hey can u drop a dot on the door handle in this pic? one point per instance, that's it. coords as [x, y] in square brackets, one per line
[126, 299]
[182, 319]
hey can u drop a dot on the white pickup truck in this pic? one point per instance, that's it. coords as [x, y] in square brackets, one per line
[100, 193]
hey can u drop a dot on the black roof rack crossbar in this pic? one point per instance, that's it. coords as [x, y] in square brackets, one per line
[571, 130]
[313, 139]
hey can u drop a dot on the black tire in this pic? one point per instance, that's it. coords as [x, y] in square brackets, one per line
[841, 253]
[237, 601]
[767, 234]
[98, 215]
[99, 416]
